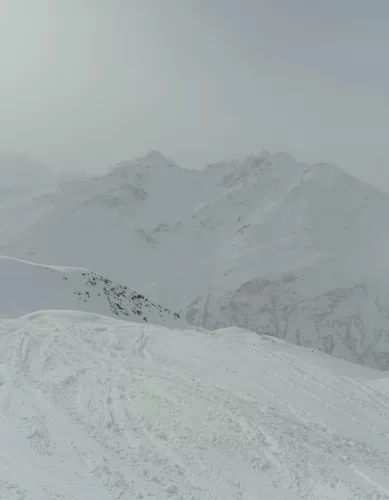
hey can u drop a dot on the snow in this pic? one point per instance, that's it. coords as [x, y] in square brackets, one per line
[105, 394]
[17, 169]
[264, 243]
[95, 407]
[28, 287]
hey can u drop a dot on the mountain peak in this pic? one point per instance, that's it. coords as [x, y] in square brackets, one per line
[156, 156]
[153, 159]
[281, 158]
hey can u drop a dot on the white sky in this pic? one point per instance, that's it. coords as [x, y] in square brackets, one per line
[86, 83]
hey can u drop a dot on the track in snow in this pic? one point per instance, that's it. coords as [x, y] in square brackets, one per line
[92, 407]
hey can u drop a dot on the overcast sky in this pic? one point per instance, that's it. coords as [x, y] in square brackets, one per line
[86, 83]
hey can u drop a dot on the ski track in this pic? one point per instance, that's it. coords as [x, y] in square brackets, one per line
[98, 408]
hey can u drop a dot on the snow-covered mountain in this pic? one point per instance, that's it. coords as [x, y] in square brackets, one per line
[21, 178]
[27, 287]
[20, 170]
[264, 243]
[93, 407]
[350, 322]
[26, 188]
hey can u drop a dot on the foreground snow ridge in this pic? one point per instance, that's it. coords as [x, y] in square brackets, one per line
[94, 407]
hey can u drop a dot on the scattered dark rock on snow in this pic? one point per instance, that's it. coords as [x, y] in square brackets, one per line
[122, 300]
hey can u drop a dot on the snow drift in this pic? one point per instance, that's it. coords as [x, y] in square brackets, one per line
[92, 407]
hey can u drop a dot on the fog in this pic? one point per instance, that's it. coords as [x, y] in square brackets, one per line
[87, 83]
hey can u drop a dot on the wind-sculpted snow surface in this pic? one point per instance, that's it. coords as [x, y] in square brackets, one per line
[92, 407]
[27, 287]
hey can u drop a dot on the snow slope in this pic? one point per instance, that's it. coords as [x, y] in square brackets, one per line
[27, 287]
[351, 322]
[206, 243]
[27, 192]
[18, 170]
[93, 407]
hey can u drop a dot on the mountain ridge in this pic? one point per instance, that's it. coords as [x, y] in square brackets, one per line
[32, 287]
[193, 239]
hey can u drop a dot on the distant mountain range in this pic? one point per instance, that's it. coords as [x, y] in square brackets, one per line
[265, 243]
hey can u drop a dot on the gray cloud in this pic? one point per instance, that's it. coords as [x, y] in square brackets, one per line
[86, 83]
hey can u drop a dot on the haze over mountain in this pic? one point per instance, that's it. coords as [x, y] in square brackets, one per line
[310, 81]
[194, 329]
[265, 243]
